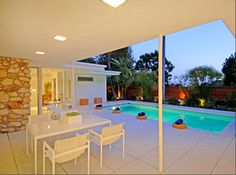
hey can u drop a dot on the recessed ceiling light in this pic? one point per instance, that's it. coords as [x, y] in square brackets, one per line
[40, 52]
[60, 38]
[114, 3]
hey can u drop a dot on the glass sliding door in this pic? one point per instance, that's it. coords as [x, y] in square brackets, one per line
[67, 83]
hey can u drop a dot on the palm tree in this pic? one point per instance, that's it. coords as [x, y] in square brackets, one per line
[127, 74]
[147, 80]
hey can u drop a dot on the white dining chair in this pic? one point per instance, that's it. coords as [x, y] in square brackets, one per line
[66, 150]
[55, 111]
[35, 119]
[108, 136]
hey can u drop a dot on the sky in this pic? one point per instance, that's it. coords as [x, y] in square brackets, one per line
[209, 44]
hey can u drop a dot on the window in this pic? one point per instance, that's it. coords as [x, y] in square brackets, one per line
[85, 78]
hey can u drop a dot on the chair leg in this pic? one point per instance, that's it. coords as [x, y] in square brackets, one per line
[43, 160]
[53, 167]
[123, 146]
[75, 161]
[89, 159]
[110, 147]
[101, 156]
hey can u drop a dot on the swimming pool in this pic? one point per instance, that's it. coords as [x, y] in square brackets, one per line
[208, 122]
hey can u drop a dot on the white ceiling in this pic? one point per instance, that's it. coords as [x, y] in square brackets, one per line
[92, 27]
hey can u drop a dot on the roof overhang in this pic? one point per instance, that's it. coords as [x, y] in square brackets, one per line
[108, 73]
[92, 27]
[92, 69]
[87, 66]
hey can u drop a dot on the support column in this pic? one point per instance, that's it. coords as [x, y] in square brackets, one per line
[40, 91]
[73, 85]
[160, 85]
[64, 86]
[163, 67]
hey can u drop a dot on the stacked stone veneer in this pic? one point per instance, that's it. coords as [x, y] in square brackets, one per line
[14, 94]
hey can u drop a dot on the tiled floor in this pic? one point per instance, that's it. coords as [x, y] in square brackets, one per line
[185, 152]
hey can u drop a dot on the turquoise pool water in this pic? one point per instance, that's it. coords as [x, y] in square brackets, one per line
[208, 122]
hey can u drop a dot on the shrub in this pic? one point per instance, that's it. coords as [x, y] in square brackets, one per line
[210, 104]
[131, 97]
[204, 91]
[231, 100]
[192, 101]
[220, 103]
[173, 101]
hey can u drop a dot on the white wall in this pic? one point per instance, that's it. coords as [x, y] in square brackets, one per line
[89, 90]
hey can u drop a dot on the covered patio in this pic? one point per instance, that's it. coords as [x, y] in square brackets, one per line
[185, 152]
[92, 28]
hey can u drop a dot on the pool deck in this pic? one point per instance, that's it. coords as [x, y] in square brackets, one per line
[185, 152]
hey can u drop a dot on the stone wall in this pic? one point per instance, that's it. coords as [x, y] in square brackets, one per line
[14, 94]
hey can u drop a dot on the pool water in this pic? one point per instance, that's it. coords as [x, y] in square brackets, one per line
[208, 122]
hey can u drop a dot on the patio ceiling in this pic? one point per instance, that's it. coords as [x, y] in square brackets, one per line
[92, 27]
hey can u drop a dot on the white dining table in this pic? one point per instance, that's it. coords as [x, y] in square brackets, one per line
[43, 127]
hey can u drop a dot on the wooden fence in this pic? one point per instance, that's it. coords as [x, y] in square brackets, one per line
[180, 93]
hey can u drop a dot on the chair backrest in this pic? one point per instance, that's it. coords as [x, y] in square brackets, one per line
[70, 144]
[97, 100]
[83, 101]
[51, 107]
[110, 131]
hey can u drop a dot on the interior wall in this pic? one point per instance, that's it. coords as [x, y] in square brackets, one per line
[89, 90]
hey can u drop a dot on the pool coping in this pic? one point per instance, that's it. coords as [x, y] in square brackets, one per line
[186, 108]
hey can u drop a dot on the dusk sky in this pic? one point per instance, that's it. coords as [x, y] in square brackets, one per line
[207, 44]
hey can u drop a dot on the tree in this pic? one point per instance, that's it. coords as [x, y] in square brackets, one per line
[146, 80]
[201, 80]
[89, 60]
[117, 54]
[229, 70]
[149, 62]
[202, 75]
[125, 65]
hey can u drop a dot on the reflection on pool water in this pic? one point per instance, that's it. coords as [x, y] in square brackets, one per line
[208, 122]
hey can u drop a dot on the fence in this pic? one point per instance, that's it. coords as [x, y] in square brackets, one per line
[181, 93]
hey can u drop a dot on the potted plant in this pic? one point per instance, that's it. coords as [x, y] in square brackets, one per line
[72, 117]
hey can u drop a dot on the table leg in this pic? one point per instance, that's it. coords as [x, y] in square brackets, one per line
[27, 141]
[35, 156]
[31, 143]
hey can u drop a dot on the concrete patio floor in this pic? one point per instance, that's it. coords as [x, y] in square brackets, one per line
[185, 152]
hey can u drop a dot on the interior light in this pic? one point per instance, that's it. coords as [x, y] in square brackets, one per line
[114, 3]
[40, 52]
[60, 38]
